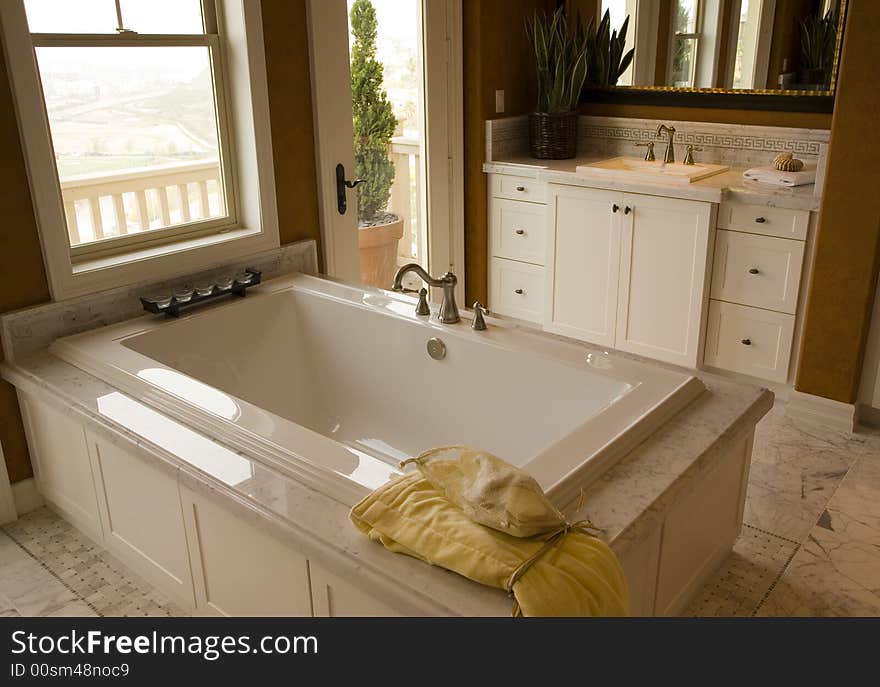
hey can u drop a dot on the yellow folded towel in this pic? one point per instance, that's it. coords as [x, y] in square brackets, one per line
[563, 572]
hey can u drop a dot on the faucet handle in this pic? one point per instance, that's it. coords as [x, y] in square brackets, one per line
[689, 154]
[649, 153]
[422, 308]
[479, 324]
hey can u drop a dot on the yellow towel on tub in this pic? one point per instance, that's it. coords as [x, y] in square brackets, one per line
[564, 571]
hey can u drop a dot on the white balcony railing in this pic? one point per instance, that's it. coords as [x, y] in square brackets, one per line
[98, 206]
[406, 197]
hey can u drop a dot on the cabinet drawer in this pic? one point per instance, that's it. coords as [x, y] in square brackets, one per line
[760, 219]
[517, 231]
[518, 188]
[516, 289]
[757, 270]
[748, 340]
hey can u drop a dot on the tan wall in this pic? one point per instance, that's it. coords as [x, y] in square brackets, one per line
[848, 241]
[290, 104]
[496, 56]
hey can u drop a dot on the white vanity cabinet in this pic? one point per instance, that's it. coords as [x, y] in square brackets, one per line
[628, 270]
[758, 264]
[517, 244]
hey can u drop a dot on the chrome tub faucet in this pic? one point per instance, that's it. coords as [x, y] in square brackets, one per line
[448, 308]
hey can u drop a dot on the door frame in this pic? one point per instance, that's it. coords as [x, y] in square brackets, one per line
[444, 134]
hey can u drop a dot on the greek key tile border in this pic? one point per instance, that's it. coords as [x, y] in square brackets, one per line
[741, 137]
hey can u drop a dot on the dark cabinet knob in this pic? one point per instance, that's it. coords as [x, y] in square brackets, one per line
[627, 210]
[520, 188]
[746, 342]
[520, 232]
[760, 220]
[615, 207]
[754, 270]
[519, 292]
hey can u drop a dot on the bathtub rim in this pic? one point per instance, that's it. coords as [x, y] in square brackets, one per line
[640, 375]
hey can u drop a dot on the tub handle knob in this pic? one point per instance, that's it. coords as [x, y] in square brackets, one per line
[422, 308]
[479, 323]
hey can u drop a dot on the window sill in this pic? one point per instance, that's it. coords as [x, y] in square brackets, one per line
[155, 252]
[162, 262]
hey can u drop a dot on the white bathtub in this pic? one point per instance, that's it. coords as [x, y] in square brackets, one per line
[333, 384]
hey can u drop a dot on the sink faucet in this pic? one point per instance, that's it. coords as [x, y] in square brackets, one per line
[670, 149]
[448, 308]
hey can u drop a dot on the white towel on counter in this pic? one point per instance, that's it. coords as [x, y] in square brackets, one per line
[771, 175]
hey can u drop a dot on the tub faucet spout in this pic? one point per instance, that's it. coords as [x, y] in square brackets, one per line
[448, 308]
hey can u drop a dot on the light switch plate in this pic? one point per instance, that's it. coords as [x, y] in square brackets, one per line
[499, 102]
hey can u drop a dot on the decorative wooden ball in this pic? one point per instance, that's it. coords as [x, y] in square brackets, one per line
[787, 162]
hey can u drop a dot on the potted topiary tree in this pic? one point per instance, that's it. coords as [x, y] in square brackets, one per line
[374, 123]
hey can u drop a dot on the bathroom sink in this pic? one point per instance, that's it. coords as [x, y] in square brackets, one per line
[653, 170]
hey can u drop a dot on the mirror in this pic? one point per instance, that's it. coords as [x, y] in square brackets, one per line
[785, 47]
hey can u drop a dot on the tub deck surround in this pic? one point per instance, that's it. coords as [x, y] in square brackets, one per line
[33, 329]
[627, 502]
[240, 371]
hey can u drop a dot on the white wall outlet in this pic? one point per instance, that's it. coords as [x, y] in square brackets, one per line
[499, 102]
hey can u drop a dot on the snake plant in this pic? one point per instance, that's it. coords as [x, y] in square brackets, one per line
[818, 35]
[561, 60]
[607, 61]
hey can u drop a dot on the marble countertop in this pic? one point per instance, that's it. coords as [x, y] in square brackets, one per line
[626, 500]
[729, 185]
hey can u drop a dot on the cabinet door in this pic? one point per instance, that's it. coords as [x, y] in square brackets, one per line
[239, 567]
[583, 261]
[143, 521]
[62, 465]
[663, 265]
[332, 597]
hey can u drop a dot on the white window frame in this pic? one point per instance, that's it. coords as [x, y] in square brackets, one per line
[251, 225]
[696, 36]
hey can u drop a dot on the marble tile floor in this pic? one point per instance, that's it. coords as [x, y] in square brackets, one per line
[810, 545]
[48, 568]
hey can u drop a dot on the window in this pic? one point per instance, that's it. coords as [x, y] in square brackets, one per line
[685, 42]
[145, 129]
[132, 101]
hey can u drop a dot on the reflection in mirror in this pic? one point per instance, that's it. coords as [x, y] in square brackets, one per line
[740, 45]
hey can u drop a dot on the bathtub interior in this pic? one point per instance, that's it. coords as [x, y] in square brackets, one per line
[367, 382]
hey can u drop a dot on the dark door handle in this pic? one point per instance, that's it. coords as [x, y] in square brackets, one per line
[341, 184]
[754, 270]
[760, 220]
[615, 207]
[627, 210]
[746, 342]
[518, 292]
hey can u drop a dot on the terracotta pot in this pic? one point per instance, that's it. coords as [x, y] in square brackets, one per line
[378, 249]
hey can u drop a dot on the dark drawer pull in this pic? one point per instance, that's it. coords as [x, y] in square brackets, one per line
[760, 220]
[754, 270]
[520, 232]
[615, 207]
[518, 292]
[627, 210]
[520, 188]
[746, 342]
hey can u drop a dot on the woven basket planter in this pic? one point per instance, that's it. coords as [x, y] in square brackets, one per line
[553, 136]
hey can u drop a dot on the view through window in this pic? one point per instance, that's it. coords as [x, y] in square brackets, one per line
[132, 114]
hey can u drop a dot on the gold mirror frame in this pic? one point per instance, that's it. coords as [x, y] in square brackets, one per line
[838, 46]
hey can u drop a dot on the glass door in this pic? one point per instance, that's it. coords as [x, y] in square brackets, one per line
[393, 129]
